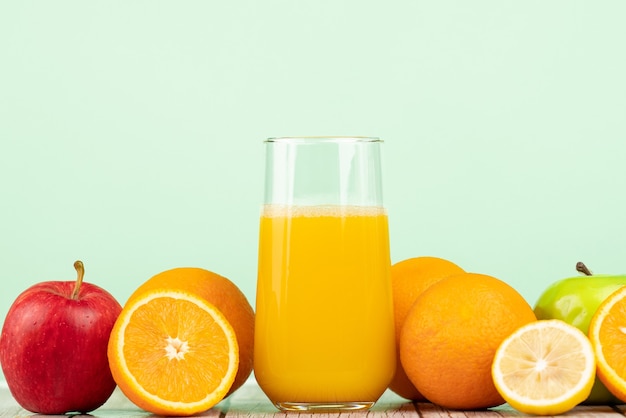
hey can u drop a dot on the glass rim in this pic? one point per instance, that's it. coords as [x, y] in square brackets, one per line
[322, 139]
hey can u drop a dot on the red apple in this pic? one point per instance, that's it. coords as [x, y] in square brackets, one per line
[53, 346]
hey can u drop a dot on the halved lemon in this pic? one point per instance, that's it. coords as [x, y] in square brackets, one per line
[546, 367]
[172, 353]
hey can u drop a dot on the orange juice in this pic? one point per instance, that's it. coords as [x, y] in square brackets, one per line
[324, 322]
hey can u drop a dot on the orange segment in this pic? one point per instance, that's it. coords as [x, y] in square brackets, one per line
[173, 353]
[607, 332]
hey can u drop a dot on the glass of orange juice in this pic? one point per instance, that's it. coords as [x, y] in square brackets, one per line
[324, 336]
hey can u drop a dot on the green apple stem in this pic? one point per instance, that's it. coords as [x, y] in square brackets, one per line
[80, 270]
[582, 268]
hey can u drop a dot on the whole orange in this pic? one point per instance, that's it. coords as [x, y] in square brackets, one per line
[409, 278]
[222, 293]
[451, 334]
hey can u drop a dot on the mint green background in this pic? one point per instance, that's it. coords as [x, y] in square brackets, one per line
[131, 131]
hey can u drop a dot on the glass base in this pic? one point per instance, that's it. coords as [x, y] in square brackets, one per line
[323, 406]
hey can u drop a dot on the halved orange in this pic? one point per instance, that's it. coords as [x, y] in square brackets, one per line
[225, 295]
[173, 353]
[607, 332]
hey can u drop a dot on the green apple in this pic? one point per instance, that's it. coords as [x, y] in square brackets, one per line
[575, 300]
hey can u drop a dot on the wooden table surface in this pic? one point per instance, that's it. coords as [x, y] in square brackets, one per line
[250, 402]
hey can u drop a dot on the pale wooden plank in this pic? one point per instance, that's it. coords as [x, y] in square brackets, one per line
[429, 410]
[595, 411]
[117, 406]
[506, 411]
[250, 402]
[433, 411]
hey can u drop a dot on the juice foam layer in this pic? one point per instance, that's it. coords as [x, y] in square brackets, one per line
[272, 211]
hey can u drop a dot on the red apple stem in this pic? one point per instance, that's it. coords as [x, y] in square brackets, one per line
[80, 270]
[582, 268]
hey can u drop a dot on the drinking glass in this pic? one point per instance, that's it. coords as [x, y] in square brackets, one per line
[324, 336]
